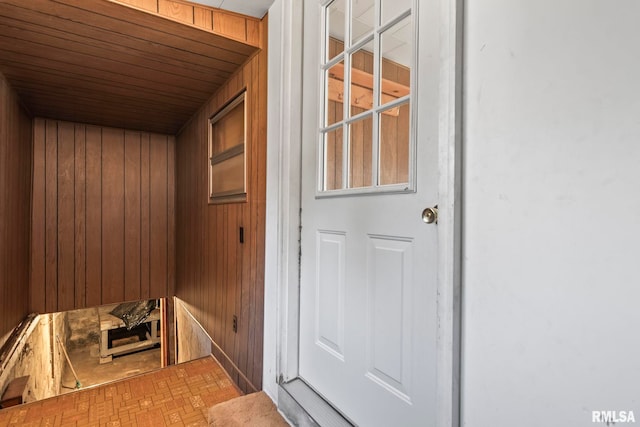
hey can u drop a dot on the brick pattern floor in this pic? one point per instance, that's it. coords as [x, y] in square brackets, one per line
[179, 395]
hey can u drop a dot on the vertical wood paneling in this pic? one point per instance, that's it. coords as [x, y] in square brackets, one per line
[112, 215]
[5, 118]
[178, 11]
[203, 17]
[230, 25]
[159, 221]
[95, 199]
[132, 213]
[171, 216]
[51, 216]
[93, 208]
[216, 275]
[37, 295]
[80, 216]
[148, 5]
[145, 215]
[66, 216]
[15, 202]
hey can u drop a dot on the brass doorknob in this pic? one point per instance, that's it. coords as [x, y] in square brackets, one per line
[430, 215]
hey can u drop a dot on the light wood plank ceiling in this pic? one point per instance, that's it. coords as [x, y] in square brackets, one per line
[98, 62]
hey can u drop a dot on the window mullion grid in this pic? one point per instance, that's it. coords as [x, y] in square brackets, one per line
[375, 146]
[326, 64]
[346, 104]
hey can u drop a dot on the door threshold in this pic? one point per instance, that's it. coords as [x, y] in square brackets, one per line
[306, 408]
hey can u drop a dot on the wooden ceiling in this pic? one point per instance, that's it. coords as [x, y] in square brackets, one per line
[99, 62]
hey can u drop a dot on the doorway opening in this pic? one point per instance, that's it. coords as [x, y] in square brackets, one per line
[57, 353]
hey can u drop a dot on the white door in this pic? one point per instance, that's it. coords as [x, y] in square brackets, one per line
[368, 260]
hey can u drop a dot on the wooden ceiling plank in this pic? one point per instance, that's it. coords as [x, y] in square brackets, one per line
[103, 63]
[132, 120]
[17, 29]
[103, 100]
[24, 76]
[48, 61]
[127, 20]
[71, 57]
[146, 48]
[183, 28]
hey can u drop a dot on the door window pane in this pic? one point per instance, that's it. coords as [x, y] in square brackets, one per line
[334, 95]
[362, 79]
[393, 8]
[367, 94]
[332, 170]
[335, 28]
[394, 145]
[360, 137]
[396, 48]
[363, 15]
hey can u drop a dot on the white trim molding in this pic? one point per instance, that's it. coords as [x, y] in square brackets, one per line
[450, 214]
[283, 194]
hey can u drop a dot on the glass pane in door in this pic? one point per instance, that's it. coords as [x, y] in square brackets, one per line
[334, 94]
[360, 138]
[362, 79]
[332, 172]
[363, 14]
[396, 48]
[335, 17]
[393, 8]
[394, 145]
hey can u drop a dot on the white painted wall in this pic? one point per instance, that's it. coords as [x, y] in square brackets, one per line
[551, 268]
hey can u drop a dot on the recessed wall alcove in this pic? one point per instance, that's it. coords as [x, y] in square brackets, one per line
[104, 152]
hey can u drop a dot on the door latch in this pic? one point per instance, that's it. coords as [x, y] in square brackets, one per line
[430, 215]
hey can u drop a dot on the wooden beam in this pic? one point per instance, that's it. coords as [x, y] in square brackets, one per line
[362, 89]
[361, 97]
[364, 79]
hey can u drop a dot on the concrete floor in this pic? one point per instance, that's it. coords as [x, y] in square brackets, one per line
[86, 362]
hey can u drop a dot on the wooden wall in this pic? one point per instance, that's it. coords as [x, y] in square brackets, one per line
[15, 202]
[103, 220]
[228, 24]
[217, 276]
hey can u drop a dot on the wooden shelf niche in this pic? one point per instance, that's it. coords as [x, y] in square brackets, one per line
[362, 89]
[227, 141]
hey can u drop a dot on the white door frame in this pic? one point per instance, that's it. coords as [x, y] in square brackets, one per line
[284, 135]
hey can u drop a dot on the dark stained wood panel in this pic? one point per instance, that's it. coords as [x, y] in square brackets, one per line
[15, 202]
[51, 218]
[92, 242]
[38, 241]
[145, 215]
[218, 276]
[93, 216]
[66, 216]
[132, 214]
[159, 221]
[80, 197]
[108, 64]
[112, 215]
